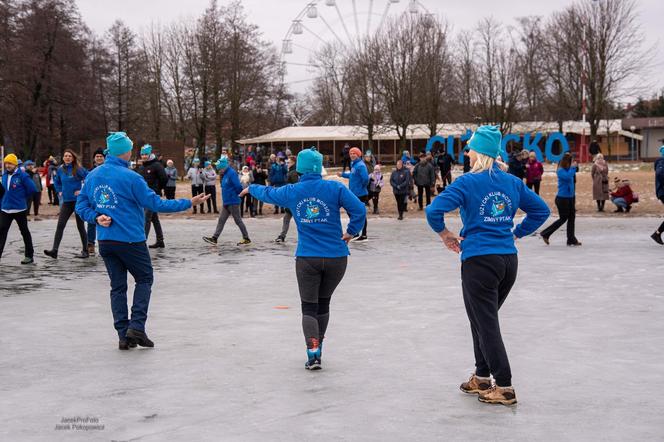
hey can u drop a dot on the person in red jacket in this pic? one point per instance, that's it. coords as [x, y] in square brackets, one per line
[534, 172]
[623, 196]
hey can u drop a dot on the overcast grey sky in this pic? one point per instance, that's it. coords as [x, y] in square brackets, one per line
[274, 17]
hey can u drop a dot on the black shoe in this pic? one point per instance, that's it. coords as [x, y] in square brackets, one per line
[545, 239]
[140, 338]
[52, 253]
[123, 344]
[280, 239]
[30, 260]
[84, 254]
[361, 238]
[210, 240]
[216, 211]
[618, 210]
[157, 245]
[574, 244]
[628, 208]
[657, 237]
[400, 217]
[313, 365]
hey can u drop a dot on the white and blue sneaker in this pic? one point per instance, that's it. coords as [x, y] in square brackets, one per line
[314, 357]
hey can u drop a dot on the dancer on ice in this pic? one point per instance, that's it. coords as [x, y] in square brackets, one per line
[322, 250]
[230, 190]
[115, 197]
[659, 190]
[16, 189]
[565, 201]
[489, 199]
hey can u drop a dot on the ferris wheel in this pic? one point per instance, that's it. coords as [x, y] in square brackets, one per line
[344, 22]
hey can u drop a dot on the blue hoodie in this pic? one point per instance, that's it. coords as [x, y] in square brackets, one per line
[316, 207]
[566, 182]
[230, 187]
[488, 201]
[114, 190]
[17, 188]
[68, 184]
[358, 178]
[277, 175]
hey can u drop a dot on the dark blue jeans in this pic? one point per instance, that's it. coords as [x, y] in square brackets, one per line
[135, 258]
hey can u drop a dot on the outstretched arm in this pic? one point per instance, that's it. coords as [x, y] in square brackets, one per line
[147, 198]
[278, 196]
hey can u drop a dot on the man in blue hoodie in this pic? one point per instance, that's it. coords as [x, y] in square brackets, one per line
[489, 199]
[277, 176]
[358, 182]
[230, 190]
[322, 251]
[114, 197]
[17, 187]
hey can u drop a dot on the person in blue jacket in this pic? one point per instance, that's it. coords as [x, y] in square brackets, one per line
[68, 182]
[489, 199]
[358, 182]
[277, 176]
[114, 197]
[322, 250]
[15, 190]
[659, 191]
[565, 201]
[230, 191]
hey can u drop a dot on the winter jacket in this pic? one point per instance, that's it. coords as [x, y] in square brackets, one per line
[172, 174]
[230, 187]
[36, 178]
[375, 182]
[209, 177]
[566, 186]
[445, 163]
[259, 177]
[625, 192]
[195, 174]
[316, 207]
[278, 174]
[246, 179]
[293, 177]
[659, 177]
[534, 172]
[400, 181]
[68, 184]
[488, 201]
[114, 190]
[516, 166]
[358, 178]
[16, 188]
[154, 174]
[600, 177]
[424, 174]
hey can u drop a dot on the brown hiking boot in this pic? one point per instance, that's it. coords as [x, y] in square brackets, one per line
[498, 395]
[91, 249]
[476, 385]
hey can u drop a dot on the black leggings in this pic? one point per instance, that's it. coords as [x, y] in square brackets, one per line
[567, 212]
[375, 196]
[423, 190]
[212, 202]
[196, 190]
[21, 219]
[153, 218]
[534, 186]
[66, 209]
[365, 199]
[661, 226]
[486, 282]
[317, 278]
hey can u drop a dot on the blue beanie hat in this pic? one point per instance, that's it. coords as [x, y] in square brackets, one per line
[207, 163]
[661, 151]
[486, 140]
[118, 143]
[222, 163]
[146, 150]
[309, 161]
[196, 160]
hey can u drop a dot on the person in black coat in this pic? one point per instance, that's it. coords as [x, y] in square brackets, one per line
[155, 176]
[445, 162]
[400, 182]
[260, 177]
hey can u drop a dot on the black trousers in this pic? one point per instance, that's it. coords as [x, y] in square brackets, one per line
[534, 186]
[486, 282]
[34, 201]
[21, 219]
[66, 210]
[446, 178]
[196, 190]
[365, 199]
[153, 218]
[212, 202]
[317, 278]
[375, 196]
[401, 203]
[661, 226]
[567, 212]
[420, 191]
[52, 195]
[169, 192]
[247, 205]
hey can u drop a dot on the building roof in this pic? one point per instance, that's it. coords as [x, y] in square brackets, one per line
[421, 131]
